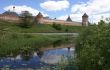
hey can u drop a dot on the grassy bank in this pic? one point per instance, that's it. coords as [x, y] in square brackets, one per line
[13, 38]
[14, 42]
[38, 28]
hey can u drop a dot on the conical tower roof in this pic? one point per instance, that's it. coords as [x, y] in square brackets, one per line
[69, 19]
[39, 14]
[85, 15]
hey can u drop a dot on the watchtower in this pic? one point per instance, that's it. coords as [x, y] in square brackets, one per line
[39, 18]
[85, 20]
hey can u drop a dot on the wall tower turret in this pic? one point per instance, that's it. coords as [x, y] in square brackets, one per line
[85, 20]
[39, 18]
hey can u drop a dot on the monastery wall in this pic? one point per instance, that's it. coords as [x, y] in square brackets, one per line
[62, 22]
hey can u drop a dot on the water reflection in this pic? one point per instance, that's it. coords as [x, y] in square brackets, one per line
[38, 58]
[40, 53]
[56, 55]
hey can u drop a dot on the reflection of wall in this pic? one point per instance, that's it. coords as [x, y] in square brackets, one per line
[50, 47]
[52, 59]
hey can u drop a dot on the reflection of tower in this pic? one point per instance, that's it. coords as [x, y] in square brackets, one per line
[69, 52]
[40, 53]
[69, 49]
[85, 20]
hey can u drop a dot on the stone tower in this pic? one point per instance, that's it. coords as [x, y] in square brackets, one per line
[39, 18]
[85, 20]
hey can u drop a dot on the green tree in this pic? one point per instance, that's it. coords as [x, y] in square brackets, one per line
[26, 19]
[93, 48]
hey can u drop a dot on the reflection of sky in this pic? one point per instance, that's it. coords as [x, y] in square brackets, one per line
[63, 52]
[49, 57]
[56, 55]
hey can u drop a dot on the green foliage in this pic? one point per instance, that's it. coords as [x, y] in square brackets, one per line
[57, 26]
[26, 19]
[66, 30]
[93, 48]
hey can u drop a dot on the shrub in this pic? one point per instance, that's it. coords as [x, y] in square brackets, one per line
[66, 30]
[57, 26]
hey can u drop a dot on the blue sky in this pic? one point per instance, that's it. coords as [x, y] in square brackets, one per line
[60, 9]
[36, 5]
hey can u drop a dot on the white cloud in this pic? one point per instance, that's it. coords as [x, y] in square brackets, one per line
[77, 8]
[55, 5]
[19, 9]
[74, 17]
[63, 17]
[94, 8]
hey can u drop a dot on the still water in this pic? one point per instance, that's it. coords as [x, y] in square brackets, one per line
[39, 58]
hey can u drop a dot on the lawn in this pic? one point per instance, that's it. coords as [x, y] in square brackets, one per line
[38, 28]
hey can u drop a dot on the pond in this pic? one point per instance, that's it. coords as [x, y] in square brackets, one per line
[38, 58]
